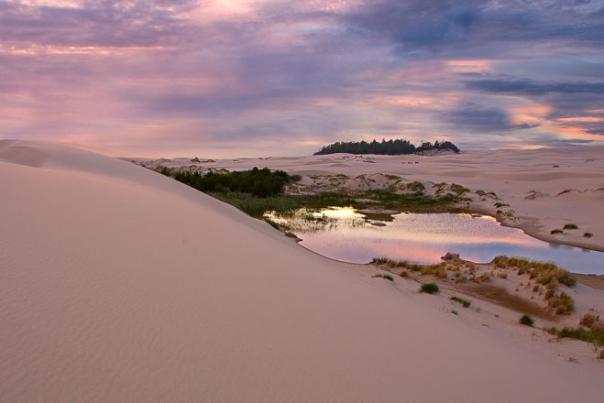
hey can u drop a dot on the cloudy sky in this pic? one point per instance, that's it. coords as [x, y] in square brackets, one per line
[270, 77]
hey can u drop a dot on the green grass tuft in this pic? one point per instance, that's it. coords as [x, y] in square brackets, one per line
[429, 288]
[526, 320]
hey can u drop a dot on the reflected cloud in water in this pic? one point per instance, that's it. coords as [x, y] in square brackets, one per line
[345, 234]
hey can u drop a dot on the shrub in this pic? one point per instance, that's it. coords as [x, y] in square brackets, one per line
[464, 302]
[556, 231]
[571, 226]
[527, 320]
[588, 235]
[429, 288]
[258, 182]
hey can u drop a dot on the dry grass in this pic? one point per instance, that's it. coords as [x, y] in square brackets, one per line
[543, 273]
[439, 270]
[502, 297]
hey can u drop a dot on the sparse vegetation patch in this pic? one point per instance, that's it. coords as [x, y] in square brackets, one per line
[384, 276]
[527, 320]
[429, 288]
[464, 302]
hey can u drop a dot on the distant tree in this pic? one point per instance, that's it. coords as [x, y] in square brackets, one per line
[390, 147]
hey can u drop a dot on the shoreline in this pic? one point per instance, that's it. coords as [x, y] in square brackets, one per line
[529, 225]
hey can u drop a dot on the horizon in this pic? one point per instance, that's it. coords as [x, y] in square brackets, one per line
[225, 79]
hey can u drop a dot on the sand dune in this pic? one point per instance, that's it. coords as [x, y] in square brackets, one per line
[512, 174]
[119, 284]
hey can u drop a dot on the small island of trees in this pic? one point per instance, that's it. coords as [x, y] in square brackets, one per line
[390, 147]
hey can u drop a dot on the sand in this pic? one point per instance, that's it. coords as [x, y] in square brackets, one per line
[120, 284]
[545, 188]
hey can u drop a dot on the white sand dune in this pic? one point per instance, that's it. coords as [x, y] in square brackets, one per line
[119, 284]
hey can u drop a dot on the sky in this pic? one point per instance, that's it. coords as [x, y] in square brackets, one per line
[266, 77]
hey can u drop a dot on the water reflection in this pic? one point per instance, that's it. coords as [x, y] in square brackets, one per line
[345, 234]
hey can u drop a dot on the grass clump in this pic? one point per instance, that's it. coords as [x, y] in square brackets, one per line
[556, 231]
[459, 189]
[526, 320]
[429, 288]
[464, 302]
[561, 304]
[595, 337]
[543, 273]
[439, 270]
[384, 276]
[571, 226]
[416, 187]
[588, 235]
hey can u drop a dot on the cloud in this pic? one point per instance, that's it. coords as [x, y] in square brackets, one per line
[483, 119]
[531, 87]
[216, 74]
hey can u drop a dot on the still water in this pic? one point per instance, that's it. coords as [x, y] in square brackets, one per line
[346, 234]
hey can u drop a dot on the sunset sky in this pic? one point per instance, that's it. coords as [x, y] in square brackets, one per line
[262, 77]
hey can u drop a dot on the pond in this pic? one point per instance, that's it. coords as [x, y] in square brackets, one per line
[345, 234]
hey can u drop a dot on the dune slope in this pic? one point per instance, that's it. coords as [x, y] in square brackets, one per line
[119, 284]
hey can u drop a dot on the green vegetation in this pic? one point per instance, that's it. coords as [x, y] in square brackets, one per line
[282, 203]
[257, 182]
[257, 191]
[571, 226]
[384, 276]
[464, 302]
[390, 147]
[429, 288]
[556, 231]
[589, 335]
[588, 235]
[527, 320]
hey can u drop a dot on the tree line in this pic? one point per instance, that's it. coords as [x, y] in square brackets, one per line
[390, 147]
